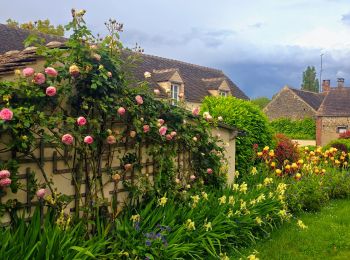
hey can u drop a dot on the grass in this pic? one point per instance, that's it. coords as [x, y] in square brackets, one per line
[327, 236]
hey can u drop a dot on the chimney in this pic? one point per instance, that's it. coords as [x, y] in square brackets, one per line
[326, 85]
[340, 82]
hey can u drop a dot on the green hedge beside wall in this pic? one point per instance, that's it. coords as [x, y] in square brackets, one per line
[295, 129]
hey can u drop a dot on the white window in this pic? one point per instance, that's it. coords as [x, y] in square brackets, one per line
[174, 93]
[223, 93]
[342, 129]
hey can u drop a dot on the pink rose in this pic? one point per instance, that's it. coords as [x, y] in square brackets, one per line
[145, 128]
[121, 111]
[132, 134]
[4, 174]
[6, 114]
[51, 72]
[173, 134]
[161, 121]
[192, 177]
[67, 139]
[156, 92]
[27, 72]
[209, 170]
[109, 74]
[41, 193]
[51, 91]
[128, 167]
[139, 100]
[5, 182]
[88, 139]
[163, 130]
[168, 137]
[195, 111]
[111, 139]
[39, 78]
[81, 121]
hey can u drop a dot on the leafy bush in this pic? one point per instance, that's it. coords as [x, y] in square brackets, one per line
[295, 129]
[245, 116]
[285, 149]
[340, 144]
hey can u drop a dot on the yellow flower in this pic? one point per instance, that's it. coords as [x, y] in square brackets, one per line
[230, 213]
[101, 67]
[252, 257]
[259, 186]
[162, 201]
[281, 188]
[272, 153]
[236, 173]
[231, 200]
[259, 154]
[243, 188]
[17, 72]
[294, 166]
[190, 225]
[254, 171]
[195, 200]
[278, 172]
[301, 224]
[222, 200]
[74, 70]
[301, 161]
[261, 198]
[243, 204]
[258, 221]
[282, 213]
[224, 257]
[204, 195]
[252, 202]
[266, 148]
[208, 226]
[135, 218]
[235, 186]
[268, 181]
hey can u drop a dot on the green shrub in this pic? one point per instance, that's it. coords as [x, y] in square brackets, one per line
[245, 116]
[340, 144]
[295, 129]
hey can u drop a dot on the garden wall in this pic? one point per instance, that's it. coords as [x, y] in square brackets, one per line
[56, 165]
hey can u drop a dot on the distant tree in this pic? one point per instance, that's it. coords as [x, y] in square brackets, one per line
[310, 82]
[261, 101]
[43, 26]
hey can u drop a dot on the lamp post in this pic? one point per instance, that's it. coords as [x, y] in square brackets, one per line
[320, 83]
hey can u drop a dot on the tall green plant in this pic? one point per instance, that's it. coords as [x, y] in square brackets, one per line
[295, 129]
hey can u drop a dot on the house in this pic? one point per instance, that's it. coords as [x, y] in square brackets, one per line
[330, 108]
[176, 80]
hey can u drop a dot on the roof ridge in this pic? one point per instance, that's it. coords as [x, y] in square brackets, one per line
[32, 31]
[307, 91]
[183, 62]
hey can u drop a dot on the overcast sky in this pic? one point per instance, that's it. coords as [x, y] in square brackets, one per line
[261, 45]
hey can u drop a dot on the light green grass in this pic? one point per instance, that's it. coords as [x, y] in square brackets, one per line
[327, 236]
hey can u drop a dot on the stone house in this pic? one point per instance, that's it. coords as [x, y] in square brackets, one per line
[175, 80]
[330, 108]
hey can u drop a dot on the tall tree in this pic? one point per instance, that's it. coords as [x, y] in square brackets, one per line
[261, 101]
[310, 82]
[43, 26]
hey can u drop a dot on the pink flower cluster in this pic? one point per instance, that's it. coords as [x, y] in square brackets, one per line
[51, 72]
[67, 139]
[5, 180]
[81, 121]
[139, 100]
[40, 193]
[51, 91]
[88, 139]
[6, 114]
[39, 78]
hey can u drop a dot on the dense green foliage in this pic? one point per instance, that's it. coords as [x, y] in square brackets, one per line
[310, 82]
[260, 101]
[295, 129]
[247, 118]
[42, 26]
[340, 144]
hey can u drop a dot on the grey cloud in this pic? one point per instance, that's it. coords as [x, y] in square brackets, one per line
[346, 18]
[257, 25]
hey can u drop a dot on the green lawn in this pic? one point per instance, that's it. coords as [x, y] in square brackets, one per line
[327, 236]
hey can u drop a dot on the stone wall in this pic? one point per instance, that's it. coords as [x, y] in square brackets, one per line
[326, 128]
[288, 105]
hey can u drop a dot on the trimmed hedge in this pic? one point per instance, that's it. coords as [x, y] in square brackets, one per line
[295, 129]
[245, 116]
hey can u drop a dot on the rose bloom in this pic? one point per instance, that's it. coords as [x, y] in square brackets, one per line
[27, 72]
[6, 114]
[163, 130]
[132, 134]
[209, 170]
[51, 72]
[121, 111]
[192, 177]
[81, 121]
[67, 139]
[109, 74]
[168, 137]
[51, 91]
[147, 74]
[128, 167]
[41, 193]
[4, 174]
[194, 139]
[195, 111]
[139, 100]
[111, 139]
[96, 56]
[5, 182]
[39, 78]
[88, 139]
[74, 70]
[161, 121]
[145, 128]
[156, 92]
[173, 133]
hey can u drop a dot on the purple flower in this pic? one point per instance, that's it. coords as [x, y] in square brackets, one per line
[148, 243]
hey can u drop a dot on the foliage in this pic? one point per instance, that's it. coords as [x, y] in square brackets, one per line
[310, 82]
[86, 104]
[42, 26]
[295, 129]
[247, 118]
[261, 101]
[342, 144]
[285, 150]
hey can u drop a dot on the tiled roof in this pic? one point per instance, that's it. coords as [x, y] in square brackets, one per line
[313, 99]
[12, 38]
[336, 103]
[192, 75]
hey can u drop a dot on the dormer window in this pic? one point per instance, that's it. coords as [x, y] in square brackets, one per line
[175, 89]
[223, 93]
